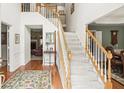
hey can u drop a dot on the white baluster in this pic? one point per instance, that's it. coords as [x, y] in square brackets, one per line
[87, 41]
[96, 56]
[98, 59]
[91, 47]
[102, 59]
[105, 74]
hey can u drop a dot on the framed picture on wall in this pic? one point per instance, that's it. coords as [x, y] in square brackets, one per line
[17, 38]
[114, 37]
[72, 8]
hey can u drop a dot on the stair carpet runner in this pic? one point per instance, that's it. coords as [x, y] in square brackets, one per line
[83, 75]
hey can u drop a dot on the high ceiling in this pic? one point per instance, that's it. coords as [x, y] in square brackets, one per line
[115, 17]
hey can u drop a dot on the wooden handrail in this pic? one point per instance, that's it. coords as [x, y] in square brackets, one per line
[100, 58]
[62, 61]
[65, 44]
[67, 49]
[38, 6]
[98, 43]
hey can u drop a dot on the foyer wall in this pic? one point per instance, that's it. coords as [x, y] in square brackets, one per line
[27, 32]
[84, 14]
[10, 15]
[34, 20]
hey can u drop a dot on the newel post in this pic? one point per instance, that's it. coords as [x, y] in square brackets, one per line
[108, 83]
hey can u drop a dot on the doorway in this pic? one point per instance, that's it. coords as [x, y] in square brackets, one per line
[36, 44]
[4, 46]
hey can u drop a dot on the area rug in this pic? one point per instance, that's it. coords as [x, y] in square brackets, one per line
[30, 79]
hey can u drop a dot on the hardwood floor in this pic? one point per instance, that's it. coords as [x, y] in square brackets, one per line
[117, 85]
[56, 82]
[37, 65]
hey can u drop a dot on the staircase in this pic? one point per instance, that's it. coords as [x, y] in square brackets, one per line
[77, 70]
[83, 75]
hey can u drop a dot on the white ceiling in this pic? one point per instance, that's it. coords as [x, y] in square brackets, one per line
[115, 17]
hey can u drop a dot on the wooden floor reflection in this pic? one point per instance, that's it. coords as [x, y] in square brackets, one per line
[37, 65]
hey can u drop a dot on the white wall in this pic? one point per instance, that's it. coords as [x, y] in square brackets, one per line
[27, 44]
[34, 19]
[86, 13]
[10, 14]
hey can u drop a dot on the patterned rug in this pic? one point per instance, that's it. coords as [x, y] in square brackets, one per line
[30, 79]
